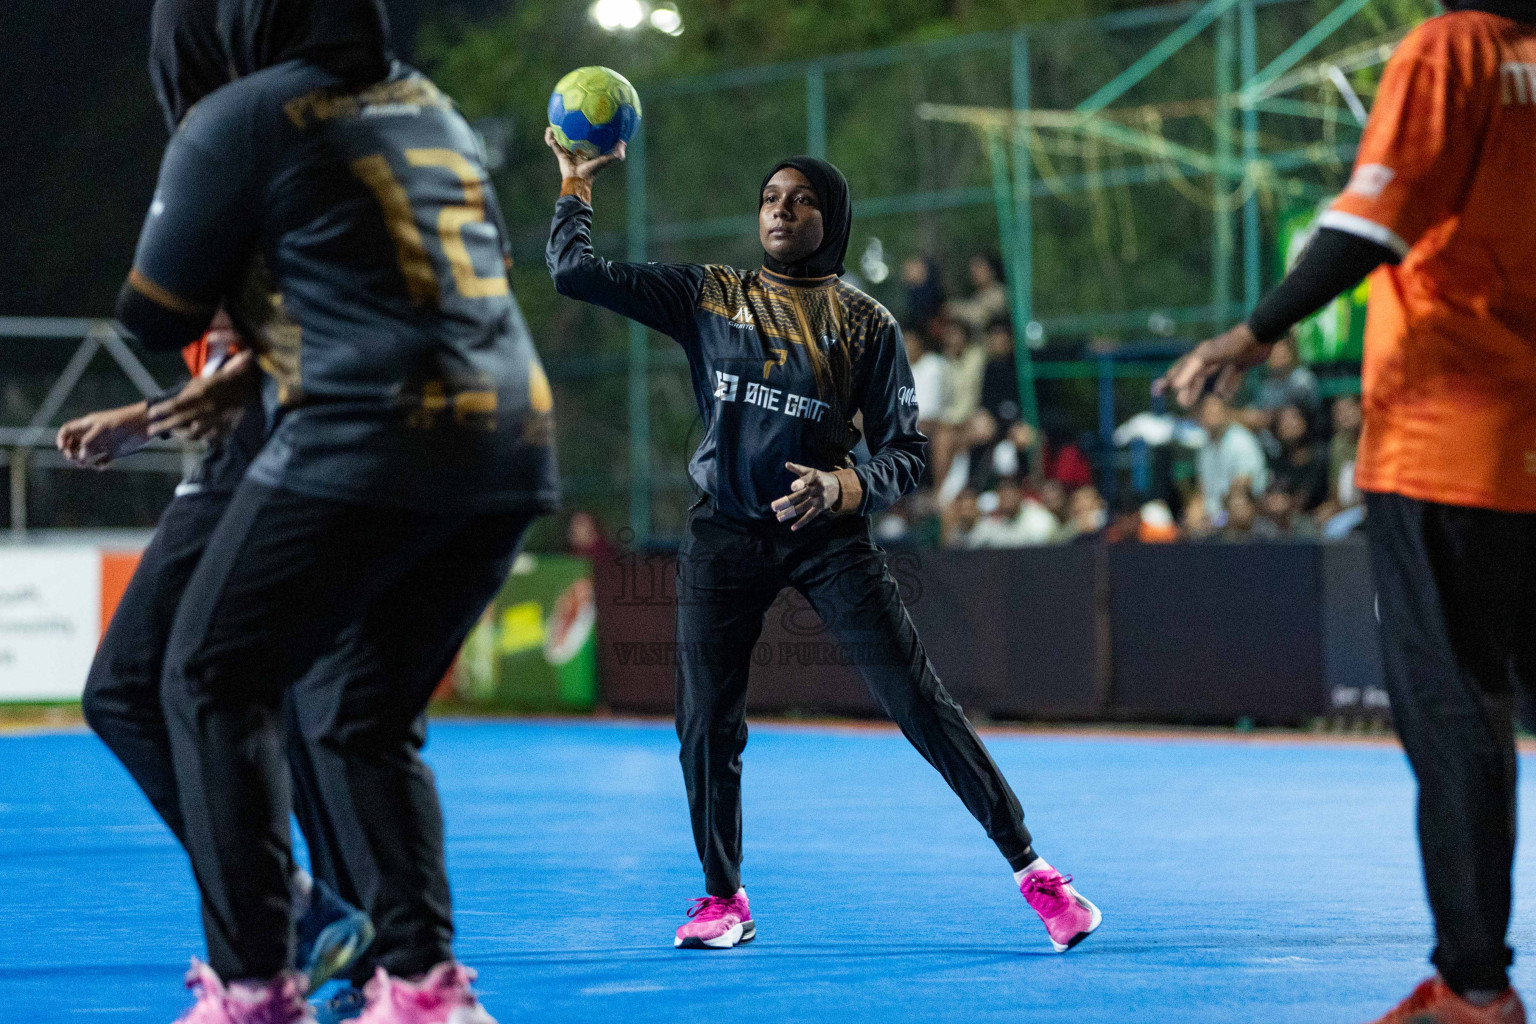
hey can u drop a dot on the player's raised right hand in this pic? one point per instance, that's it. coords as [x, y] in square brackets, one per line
[573, 167]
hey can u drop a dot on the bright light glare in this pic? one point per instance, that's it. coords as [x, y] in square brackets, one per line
[666, 19]
[613, 15]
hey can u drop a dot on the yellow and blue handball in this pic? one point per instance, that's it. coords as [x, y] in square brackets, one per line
[592, 110]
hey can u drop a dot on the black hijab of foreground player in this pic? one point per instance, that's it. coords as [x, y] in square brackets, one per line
[832, 194]
[196, 46]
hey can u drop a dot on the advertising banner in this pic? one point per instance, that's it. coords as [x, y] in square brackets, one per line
[50, 621]
[535, 648]
[1336, 333]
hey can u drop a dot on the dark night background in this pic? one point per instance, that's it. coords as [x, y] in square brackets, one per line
[83, 140]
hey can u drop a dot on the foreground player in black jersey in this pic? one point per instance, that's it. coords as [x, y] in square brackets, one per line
[783, 359]
[222, 405]
[338, 205]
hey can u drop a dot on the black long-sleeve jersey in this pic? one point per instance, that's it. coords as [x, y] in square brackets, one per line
[780, 367]
[355, 239]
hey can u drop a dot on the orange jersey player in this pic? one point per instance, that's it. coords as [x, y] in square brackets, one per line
[1441, 209]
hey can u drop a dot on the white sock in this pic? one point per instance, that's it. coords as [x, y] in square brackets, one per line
[1038, 864]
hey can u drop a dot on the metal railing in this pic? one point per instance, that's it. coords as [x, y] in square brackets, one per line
[30, 448]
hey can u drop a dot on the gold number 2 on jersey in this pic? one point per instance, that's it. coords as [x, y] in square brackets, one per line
[420, 276]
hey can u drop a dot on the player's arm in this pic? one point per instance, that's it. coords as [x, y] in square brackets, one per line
[661, 296]
[208, 405]
[1416, 160]
[199, 234]
[1333, 263]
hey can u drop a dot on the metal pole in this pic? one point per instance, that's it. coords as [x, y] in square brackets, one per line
[816, 111]
[1021, 268]
[639, 356]
[1248, 65]
[1222, 239]
[1154, 58]
[18, 460]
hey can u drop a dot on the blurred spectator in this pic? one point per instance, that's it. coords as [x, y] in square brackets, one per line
[1231, 456]
[1300, 469]
[1284, 509]
[1157, 525]
[1017, 520]
[1053, 498]
[1125, 523]
[989, 299]
[961, 397]
[966, 364]
[1284, 381]
[925, 291]
[584, 537]
[1065, 460]
[1341, 451]
[1000, 376]
[959, 518]
[1197, 524]
[1087, 513]
[1243, 519]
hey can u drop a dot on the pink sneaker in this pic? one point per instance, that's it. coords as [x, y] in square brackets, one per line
[279, 1001]
[442, 996]
[1068, 917]
[717, 923]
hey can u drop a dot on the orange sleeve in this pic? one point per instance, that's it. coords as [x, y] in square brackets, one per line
[196, 355]
[1420, 147]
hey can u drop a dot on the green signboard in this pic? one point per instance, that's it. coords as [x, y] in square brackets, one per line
[535, 648]
[1337, 333]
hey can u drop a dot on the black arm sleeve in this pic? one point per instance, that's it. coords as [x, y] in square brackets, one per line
[662, 296]
[199, 234]
[1332, 263]
[889, 404]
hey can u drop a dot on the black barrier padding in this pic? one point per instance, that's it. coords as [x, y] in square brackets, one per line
[1058, 633]
[636, 620]
[1351, 636]
[1011, 633]
[1217, 632]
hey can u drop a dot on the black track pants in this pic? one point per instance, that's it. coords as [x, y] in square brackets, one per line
[283, 577]
[729, 573]
[1456, 595]
[122, 692]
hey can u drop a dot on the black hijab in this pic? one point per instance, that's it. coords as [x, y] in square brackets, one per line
[831, 190]
[196, 46]
[1517, 10]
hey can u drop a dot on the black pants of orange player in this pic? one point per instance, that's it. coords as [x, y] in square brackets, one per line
[122, 692]
[1456, 592]
[728, 574]
[283, 576]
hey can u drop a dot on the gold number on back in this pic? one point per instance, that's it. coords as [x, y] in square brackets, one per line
[415, 264]
[420, 279]
[451, 221]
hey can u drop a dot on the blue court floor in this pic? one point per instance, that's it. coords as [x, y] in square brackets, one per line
[1253, 882]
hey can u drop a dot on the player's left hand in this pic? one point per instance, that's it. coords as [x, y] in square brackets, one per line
[208, 406]
[813, 492]
[1218, 363]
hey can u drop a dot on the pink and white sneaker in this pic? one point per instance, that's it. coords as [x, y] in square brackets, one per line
[1069, 918]
[442, 996]
[717, 923]
[279, 1001]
